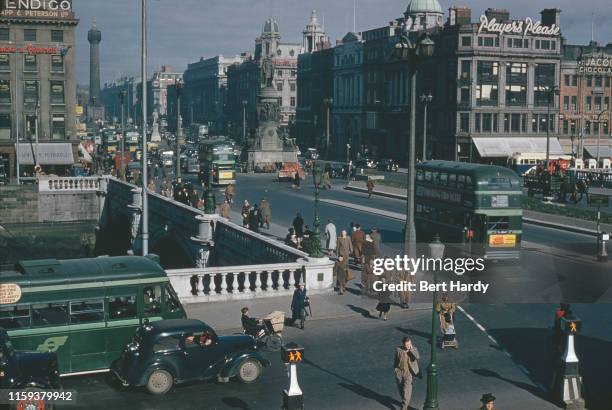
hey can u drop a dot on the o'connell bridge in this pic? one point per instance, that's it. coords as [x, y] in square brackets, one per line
[207, 257]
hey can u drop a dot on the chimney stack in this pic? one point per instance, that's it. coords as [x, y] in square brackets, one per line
[501, 15]
[551, 16]
[459, 15]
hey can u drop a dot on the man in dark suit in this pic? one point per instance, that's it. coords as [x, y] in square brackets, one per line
[405, 367]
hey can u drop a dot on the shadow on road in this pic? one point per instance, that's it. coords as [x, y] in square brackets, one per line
[361, 390]
[363, 312]
[534, 349]
[235, 403]
[425, 335]
[528, 387]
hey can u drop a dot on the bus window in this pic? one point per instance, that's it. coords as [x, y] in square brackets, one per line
[436, 178]
[468, 182]
[47, 314]
[428, 176]
[122, 307]
[460, 181]
[87, 311]
[172, 301]
[443, 179]
[420, 176]
[452, 180]
[152, 300]
[498, 223]
[15, 317]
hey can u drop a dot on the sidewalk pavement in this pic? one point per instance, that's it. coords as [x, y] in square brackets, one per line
[225, 316]
[531, 217]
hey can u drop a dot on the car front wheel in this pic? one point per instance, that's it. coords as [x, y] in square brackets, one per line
[159, 382]
[249, 371]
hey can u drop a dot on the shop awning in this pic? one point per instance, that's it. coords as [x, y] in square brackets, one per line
[604, 151]
[498, 147]
[48, 153]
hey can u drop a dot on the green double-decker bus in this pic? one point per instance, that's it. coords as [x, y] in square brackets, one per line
[85, 310]
[219, 158]
[473, 207]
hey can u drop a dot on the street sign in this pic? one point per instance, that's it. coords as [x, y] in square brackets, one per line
[599, 200]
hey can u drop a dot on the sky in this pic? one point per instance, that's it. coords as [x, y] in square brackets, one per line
[182, 31]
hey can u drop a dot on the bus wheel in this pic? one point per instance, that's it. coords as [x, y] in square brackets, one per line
[160, 382]
[249, 371]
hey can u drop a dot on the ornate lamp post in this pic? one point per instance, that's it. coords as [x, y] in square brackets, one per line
[179, 126]
[328, 102]
[551, 92]
[209, 198]
[244, 105]
[436, 251]
[122, 96]
[413, 53]
[599, 124]
[316, 251]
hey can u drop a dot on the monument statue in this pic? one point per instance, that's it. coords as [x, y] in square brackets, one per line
[267, 73]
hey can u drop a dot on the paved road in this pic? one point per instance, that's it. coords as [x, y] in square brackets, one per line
[348, 366]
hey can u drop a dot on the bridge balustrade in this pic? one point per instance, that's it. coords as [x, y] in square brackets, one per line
[68, 184]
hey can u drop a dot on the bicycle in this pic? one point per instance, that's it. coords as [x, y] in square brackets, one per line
[267, 337]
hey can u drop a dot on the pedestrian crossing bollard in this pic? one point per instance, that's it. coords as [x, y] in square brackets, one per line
[291, 355]
[568, 383]
[602, 240]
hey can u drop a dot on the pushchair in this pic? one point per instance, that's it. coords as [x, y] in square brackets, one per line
[447, 327]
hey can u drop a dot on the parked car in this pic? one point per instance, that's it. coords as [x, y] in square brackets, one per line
[25, 370]
[387, 164]
[364, 163]
[168, 352]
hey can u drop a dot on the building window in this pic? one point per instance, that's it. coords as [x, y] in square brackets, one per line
[5, 92]
[466, 70]
[606, 103]
[486, 94]
[487, 122]
[29, 63]
[573, 127]
[516, 123]
[574, 80]
[57, 63]
[279, 86]
[487, 79]
[465, 95]
[516, 95]
[58, 127]
[495, 122]
[4, 34]
[545, 44]
[589, 80]
[466, 41]
[5, 127]
[29, 34]
[57, 92]
[488, 41]
[516, 84]
[587, 127]
[597, 103]
[30, 92]
[566, 102]
[57, 35]
[589, 103]
[279, 73]
[565, 127]
[5, 62]
[574, 102]
[543, 81]
[292, 86]
[518, 43]
[607, 81]
[478, 119]
[598, 81]
[568, 79]
[506, 122]
[464, 122]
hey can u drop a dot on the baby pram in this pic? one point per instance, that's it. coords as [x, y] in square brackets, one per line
[447, 327]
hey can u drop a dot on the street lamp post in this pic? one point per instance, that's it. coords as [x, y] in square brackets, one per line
[209, 198]
[425, 99]
[179, 126]
[407, 50]
[436, 251]
[145, 196]
[244, 105]
[316, 251]
[328, 103]
[122, 95]
[551, 92]
[599, 132]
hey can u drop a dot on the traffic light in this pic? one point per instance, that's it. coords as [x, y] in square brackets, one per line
[571, 325]
[292, 353]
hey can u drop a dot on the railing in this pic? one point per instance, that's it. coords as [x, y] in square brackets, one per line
[601, 178]
[68, 184]
[237, 282]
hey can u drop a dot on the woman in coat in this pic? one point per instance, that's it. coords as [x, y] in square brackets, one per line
[246, 208]
[298, 305]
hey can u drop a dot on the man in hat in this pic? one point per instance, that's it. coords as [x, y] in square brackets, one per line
[405, 367]
[488, 402]
[266, 213]
[341, 275]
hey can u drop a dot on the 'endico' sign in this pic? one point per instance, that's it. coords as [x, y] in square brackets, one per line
[524, 27]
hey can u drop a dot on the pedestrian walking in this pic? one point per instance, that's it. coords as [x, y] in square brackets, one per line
[254, 219]
[406, 367]
[296, 180]
[230, 191]
[266, 213]
[488, 402]
[298, 305]
[399, 276]
[298, 225]
[370, 185]
[193, 197]
[377, 239]
[369, 252]
[246, 208]
[326, 180]
[341, 275]
[367, 277]
[330, 236]
[358, 237]
[225, 209]
[345, 247]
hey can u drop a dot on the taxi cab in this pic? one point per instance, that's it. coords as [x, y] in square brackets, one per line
[174, 351]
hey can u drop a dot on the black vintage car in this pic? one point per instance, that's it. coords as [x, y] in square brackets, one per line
[168, 352]
[28, 371]
[387, 165]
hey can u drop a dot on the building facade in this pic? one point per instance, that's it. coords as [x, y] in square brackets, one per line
[205, 92]
[585, 95]
[110, 97]
[244, 80]
[37, 87]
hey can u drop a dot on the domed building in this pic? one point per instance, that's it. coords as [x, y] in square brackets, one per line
[423, 14]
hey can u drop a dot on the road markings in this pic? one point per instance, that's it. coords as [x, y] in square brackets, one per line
[375, 211]
[522, 368]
